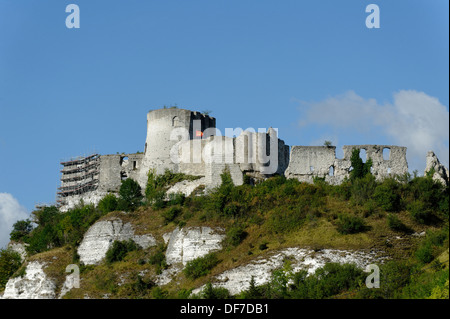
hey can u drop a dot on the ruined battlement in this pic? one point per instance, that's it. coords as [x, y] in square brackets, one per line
[185, 141]
[307, 162]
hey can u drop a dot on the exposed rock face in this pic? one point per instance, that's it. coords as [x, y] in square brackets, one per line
[93, 197]
[184, 245]
[18, 248]
[441, 173]
[238, 279]
[33, 285]
[186, 187]
[99, 238]
[190, 243]
[71, 282]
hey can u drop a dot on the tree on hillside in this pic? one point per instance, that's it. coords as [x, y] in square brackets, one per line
[21, 229]
[130, 195]
[360, 169]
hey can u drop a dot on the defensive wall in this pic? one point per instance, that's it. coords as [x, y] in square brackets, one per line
[188, 142]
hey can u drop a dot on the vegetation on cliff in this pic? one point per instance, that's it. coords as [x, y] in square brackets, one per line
[273, 214]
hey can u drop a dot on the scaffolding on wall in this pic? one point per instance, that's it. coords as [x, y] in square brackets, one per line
[78, 176]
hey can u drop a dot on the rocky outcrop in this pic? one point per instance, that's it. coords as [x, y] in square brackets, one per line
[99, 238]
[186, 187]
[439, 171]
[187, 244]
[33, 285]
[238, 279]
[72, 281]
[19, 248]
[70, 202]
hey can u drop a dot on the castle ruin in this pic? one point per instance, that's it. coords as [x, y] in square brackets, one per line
[185, 141]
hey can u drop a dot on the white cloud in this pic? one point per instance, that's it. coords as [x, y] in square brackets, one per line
[414, 119]
[10, 212]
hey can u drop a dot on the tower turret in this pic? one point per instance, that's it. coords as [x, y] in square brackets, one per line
[165, 128]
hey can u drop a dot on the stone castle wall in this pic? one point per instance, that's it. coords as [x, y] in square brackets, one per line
[307, 162]
[185, 141]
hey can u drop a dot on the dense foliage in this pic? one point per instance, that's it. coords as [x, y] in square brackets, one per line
[200, 266]
[130, 195]
[55, 229]
[9, 263]
[257, 216]
[119, 250]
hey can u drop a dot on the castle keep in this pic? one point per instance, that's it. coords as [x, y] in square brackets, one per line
[188, 142]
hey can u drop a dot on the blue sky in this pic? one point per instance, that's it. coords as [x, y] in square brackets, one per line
[312, 69]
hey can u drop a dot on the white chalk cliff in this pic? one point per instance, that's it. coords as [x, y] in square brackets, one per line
[238, 279]
[441, 173]
[33, 285]
[100, 237]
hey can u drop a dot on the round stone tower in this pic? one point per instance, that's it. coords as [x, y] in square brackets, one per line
[165, 128]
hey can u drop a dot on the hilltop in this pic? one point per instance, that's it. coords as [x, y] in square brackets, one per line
[276, 238]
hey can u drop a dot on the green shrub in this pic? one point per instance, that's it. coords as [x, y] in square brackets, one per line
[360, 169]
[420, 212]
[21, 230]
[217, 200]
[253, 291]
[386, 195]
[231, 209]
[176, 199]
[327, 281]
[107, 204]
[425, 253]
[362, 189]
[159, 293]
[440, 291]
[158, 258]
[200, 266]
[10, 262]
[152, 185]
[444, 205]
[350, 224]
[235, 235]
[284, 220]
[130, 195]
[395, 223]
[342, 191]
[210, 292]
[139, 287]
[427, 285]
[334, 278]
[371, 208]
[171, 214]
[247, 180]
[46, 216]
[428, 191]
[42, 239]
[394, 275]
[119, 250]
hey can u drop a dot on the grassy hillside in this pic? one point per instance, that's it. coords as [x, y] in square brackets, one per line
[405, 219]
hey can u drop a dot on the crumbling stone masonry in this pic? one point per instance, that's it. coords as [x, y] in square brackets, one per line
[307, 162]
[90, 178]
[188, 142]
